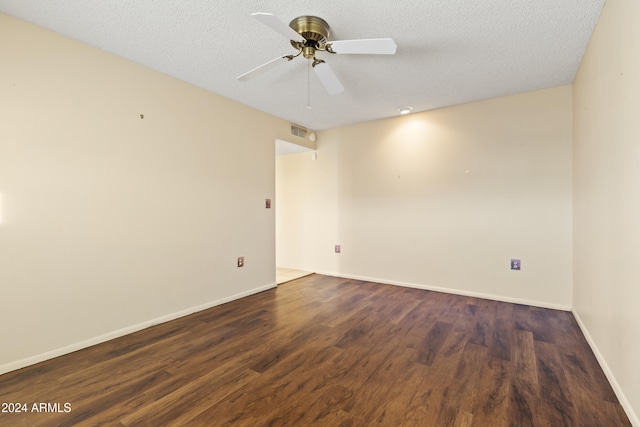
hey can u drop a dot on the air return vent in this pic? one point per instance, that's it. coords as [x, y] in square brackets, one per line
[298, 131]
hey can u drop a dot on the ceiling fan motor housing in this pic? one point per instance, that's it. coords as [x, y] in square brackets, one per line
[314, 30]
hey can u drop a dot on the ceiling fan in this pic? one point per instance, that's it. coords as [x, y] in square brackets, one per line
[310, 34]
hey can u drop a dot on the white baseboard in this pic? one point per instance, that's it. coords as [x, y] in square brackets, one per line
[633, 418]
[452, 291]
[12, 366]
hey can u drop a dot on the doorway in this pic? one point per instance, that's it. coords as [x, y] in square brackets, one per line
[285, 269]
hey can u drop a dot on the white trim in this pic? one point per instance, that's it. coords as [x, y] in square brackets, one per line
[452, 291]
[12, 366]
[633, 418]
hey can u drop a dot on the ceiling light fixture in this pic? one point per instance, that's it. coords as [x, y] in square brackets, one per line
[405, 110]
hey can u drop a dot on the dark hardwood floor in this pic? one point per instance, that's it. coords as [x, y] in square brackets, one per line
[331, 352]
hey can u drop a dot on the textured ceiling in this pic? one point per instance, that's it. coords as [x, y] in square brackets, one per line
[449, 52]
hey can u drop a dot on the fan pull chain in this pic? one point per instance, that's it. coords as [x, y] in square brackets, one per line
[308, 84]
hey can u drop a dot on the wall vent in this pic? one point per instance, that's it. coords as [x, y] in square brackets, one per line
[298, 131]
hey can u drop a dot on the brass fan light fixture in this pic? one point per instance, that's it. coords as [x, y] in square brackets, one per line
[310, 34]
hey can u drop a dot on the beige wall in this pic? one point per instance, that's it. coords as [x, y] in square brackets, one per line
[110, 222]
[606, 200]
[397, 196]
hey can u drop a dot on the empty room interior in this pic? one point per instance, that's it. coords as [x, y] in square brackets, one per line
[474, 261]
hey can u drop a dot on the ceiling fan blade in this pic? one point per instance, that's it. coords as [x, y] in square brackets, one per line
[276, 24]
[263, 68]
[365, 46]
[328, 78]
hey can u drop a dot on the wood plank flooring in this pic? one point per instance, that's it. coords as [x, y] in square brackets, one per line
[331, 352]
[284, 275]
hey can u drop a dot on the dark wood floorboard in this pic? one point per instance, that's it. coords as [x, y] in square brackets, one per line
[331, 352]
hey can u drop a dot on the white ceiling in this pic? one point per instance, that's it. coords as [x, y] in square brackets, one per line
[449, 52]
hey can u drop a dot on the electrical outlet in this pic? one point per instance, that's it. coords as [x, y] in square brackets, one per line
[337, 249]
[515, 264]
[267, 203]
[240, 261]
